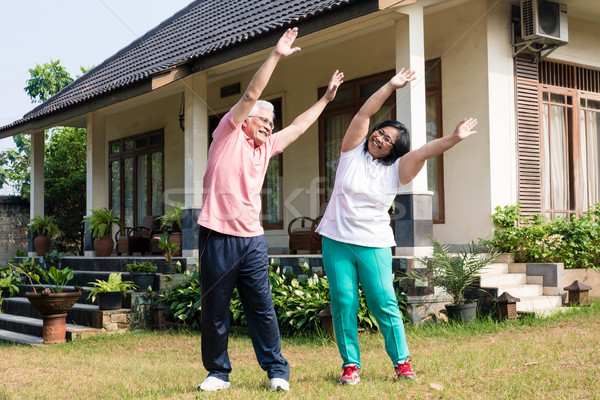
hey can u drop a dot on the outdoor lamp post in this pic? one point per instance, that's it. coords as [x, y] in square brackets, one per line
[506, 306]
[578, 294]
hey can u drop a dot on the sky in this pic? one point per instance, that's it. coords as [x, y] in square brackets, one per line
[76, 32]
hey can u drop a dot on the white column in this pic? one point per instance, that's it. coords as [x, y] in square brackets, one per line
[410, 101]
[36, 198]
[196, 154]
[96, 171]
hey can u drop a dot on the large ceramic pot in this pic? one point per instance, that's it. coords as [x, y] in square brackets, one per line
[103, 246]
[461, 312]
[53, 307]
[41, 244]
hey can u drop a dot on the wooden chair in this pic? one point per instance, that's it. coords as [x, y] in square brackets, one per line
[142, 239]
[303, 236]
[300, 236]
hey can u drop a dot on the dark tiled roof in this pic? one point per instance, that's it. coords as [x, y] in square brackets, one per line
[202, 29]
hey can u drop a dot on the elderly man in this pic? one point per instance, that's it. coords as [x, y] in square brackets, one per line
[232, 246]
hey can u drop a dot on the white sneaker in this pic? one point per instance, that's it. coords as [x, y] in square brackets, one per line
[280, 384]
[212, 384]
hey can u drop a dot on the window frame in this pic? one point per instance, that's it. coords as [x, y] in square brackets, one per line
[148, 149]
[435, 89]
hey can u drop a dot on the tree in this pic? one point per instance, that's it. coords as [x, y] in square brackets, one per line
[64, 161]
[47, 80]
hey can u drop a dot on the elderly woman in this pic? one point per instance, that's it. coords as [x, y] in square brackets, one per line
[356, 227]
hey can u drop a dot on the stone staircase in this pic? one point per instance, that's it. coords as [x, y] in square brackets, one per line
[538, 286]
[21, 323]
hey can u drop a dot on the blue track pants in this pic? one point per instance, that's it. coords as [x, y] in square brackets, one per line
[226, 262]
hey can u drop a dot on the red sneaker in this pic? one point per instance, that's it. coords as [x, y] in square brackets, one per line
[350, 375]
[404, 371]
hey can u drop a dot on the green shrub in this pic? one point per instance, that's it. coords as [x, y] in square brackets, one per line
[296, 302]
[573, 241]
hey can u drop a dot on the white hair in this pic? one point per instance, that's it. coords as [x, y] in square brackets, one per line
[262, 104]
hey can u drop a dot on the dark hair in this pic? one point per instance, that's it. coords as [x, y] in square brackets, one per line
[399, 148]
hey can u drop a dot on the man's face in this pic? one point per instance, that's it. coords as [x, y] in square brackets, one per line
[259, 126]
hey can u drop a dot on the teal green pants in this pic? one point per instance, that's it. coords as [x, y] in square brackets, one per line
[345, 264]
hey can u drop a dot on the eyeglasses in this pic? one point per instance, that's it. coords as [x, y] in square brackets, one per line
[386, 138]
[264, 121]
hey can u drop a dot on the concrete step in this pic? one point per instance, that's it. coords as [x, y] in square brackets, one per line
[497, 280]
[522, 290]
[20, 338]
[82, 313]
[33, 327]
[495, 268]
[517, 268]
[539, 304]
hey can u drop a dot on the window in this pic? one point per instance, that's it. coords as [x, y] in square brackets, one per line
[558, 167]
[136, 176]
[589, 114]
[433, 111]
[272, 192]
[337, 116]
[350, 97]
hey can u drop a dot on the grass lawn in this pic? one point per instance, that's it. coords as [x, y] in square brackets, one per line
[554, 358]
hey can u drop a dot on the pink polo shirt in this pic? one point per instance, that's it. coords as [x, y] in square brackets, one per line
[233, 180]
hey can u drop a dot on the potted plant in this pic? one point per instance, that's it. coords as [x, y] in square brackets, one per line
[169, 249]
[110, 292]
[44, 229]
[172, 221]
[53, 301]
[454, 273]
[100, 225]
[142, 274]
[8, 283]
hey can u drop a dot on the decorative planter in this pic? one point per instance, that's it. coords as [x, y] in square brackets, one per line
[53, 307]
[461, 312]
[142, 280]
[103, 246]
[110, 300]
[42, 244]
[176, 237]
[168, 267]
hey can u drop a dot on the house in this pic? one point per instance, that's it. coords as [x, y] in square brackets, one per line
[149, 109]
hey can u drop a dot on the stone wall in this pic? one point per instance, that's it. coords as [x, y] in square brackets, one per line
[14, 216]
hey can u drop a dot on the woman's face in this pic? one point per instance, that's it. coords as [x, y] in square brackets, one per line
[381, 141]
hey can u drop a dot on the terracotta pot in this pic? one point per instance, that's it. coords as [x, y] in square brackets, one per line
[53, 307]
[103, 246]
[176, 237]
[53, 303]
[41, 244]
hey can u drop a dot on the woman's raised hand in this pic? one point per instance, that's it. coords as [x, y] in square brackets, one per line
[465, 127]
[402, 78]
[336, 80]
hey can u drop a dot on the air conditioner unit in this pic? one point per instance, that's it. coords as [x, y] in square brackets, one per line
[544, 22]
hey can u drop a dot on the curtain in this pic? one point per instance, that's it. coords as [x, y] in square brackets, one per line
[334, 130]
[591, 173]
[556, 162]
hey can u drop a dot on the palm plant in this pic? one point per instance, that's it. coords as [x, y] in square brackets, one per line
[454, 272]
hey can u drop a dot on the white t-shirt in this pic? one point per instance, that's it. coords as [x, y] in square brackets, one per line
[363, 193]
